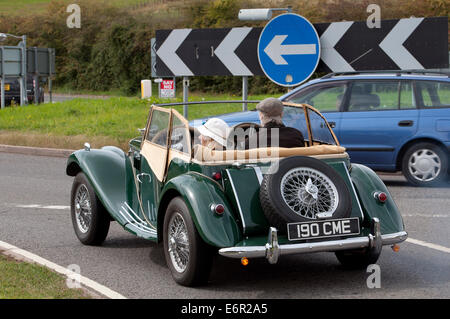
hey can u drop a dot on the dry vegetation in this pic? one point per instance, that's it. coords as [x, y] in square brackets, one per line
[111, 51]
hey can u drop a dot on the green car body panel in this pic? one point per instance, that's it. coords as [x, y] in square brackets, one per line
[367, 182]
[110, 172]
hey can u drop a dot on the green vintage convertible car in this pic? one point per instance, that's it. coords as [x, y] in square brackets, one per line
[263, 202]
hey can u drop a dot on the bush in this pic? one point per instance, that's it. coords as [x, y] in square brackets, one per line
[112, 49]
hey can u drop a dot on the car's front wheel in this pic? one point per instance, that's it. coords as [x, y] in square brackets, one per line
[89, 218]
[188, 257]
[425, 164]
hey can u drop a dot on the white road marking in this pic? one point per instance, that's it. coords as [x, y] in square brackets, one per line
[426, 215]
[428, 245]
[57, 207]
[14, 251]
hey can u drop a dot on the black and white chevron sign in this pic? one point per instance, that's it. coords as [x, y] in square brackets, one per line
[413, 43]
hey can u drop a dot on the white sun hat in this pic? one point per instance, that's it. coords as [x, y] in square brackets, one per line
[216, 129]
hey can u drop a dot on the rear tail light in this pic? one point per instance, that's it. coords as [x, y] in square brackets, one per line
[217, 176]
[219, 209]
[380, 196]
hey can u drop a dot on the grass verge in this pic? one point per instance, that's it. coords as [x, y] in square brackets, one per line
[100, 122]
[21, 280]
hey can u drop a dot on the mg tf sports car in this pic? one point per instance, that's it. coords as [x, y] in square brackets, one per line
[263, 202]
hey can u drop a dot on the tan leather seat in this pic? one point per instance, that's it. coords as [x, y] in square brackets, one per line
[205, 154]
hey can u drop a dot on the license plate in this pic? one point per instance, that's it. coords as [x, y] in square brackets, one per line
[7, 87]
[323, 229]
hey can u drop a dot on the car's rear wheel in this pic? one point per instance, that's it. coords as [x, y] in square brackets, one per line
[425, 164]
[303, 189]
[358, 259]
[188, 257]
[89, 218]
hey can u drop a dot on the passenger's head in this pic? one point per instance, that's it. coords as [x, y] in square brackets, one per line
[270, 110]
[213, 133]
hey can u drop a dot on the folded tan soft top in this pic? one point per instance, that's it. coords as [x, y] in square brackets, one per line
[205, 154]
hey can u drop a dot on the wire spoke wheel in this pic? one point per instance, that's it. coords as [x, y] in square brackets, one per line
[83, 209]
[308, 192]
[178, 243]
[302, 189]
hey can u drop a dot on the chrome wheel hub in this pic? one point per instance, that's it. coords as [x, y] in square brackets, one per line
[83, 210]
[309, 193]
[178, 242]
[424, 165]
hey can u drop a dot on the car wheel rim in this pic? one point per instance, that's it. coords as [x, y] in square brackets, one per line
[424, 165]
[309, 193]
[178, 243]
[83, 209]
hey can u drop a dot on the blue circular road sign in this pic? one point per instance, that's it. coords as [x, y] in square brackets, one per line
[288, 49]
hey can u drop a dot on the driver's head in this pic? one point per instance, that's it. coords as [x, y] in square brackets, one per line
[270, 110]
[213, 132]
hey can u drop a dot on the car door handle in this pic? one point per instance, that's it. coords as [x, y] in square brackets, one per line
[405, 123]
[141, 175]
[332, 124]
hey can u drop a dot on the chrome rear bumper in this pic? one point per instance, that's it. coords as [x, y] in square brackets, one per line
[272, 250]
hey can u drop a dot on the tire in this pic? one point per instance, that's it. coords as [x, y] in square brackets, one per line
[195, 269]
[425, 164]
[283, 207]
[358, 259]
[90, 219]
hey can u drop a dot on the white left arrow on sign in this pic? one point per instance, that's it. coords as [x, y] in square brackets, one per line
[275, 49]
[392, 44]
[167, 52]
[330, 56]
[225, 51]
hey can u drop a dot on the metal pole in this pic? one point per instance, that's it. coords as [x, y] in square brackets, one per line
[36, 88]
[244, 92]
[50, 88]
[2, 89]
[22, 101]
[24, 70]
[50, 73]
[185, 95]
[36, 77]
[2, 92]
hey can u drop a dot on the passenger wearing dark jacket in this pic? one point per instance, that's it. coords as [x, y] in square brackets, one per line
[273, 132]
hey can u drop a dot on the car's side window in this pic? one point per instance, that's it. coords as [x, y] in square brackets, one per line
[374, 95]
[323, 98]
[159, 126]
[407, 97]
[434, 93]
[179, 137]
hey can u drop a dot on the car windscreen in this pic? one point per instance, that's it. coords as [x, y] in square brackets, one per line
[320, 131]
[295, 117]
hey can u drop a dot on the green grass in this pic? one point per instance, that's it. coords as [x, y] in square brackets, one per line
[21, 280]
[116, 118]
